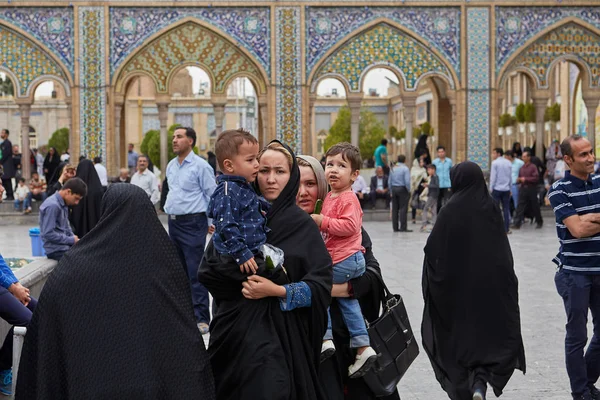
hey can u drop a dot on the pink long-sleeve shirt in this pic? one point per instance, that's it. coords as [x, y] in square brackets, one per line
[341, 225]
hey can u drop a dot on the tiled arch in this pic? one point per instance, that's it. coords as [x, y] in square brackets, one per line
[570, 40]
[383, 45]
[27, 61]
[188, 44]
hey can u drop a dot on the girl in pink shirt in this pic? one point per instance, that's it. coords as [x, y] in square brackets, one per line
[340, 223]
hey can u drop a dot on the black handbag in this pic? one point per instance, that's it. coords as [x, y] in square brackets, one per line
[392, 338]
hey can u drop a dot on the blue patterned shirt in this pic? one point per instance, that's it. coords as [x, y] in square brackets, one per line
[237, 213]
[297, 295]
[442, 170]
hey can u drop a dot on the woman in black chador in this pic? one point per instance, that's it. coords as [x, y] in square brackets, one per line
[115, 319]
[86, 214]
[471, 325]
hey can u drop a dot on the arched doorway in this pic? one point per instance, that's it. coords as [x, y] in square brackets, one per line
[193, 45]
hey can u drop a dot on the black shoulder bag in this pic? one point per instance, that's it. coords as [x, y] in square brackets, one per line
[392, 338]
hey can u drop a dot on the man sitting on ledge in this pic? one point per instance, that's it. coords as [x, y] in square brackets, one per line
[379, 188]
[56, 232]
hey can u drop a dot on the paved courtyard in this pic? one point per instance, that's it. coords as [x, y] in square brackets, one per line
[401, 257]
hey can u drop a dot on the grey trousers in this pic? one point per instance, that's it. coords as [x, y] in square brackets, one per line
[400, 197]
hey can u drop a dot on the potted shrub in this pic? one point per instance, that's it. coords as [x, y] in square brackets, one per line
[530, 116]
[520, 117]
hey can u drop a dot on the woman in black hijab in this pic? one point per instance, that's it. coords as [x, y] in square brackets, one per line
[51, 163]
[63, 173]
[517, 150]
[471, 325]
[267, 347]
[422, 148]
[86, 214]
[115, 320]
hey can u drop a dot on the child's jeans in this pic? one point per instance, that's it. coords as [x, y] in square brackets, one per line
[350, 268]
[26, 204]
[430, 206]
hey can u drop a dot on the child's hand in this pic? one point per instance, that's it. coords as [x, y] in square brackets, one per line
[249, 266]
[318, 218]
[211, 229]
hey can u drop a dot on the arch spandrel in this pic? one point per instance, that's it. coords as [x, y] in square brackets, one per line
[27, 61]
[383, 45]
[191, 44]
[570, 41]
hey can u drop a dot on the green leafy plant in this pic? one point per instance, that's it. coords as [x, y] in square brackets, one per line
[506, 120]
[60, 140]
[426, 129]
[555, 112]
[520, 113]
[529, 113]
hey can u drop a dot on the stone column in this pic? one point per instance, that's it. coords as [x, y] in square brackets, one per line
[540, 104]
[453, 138]
[591, 104]
[312, 133]
[163, 115]
[409, 105]
[25, 110]
[219, 103]
[117, 111]
[355, 102]
[263, 112]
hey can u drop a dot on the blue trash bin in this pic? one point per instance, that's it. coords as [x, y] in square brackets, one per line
[37, 247]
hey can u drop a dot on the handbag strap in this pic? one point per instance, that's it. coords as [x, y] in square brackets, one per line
[386, 292]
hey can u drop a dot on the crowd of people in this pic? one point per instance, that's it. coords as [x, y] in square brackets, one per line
[293, 329]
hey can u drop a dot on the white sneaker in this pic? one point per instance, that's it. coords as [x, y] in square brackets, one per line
[327, 350]
[364, 362]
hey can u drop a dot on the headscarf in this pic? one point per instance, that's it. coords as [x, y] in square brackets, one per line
[517, 149]
[289, 341]
[86, 214]
[319, 175]
[422, 148]
[471, 323]
[115, 319]
[52, 164]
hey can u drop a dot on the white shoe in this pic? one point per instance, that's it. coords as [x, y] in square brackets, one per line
[364, 362]
[327, 350]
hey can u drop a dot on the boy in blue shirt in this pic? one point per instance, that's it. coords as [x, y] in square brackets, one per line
[238, 213]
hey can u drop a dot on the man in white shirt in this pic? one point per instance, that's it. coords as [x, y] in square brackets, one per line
[101, 170]
[360, 188]
[145, 179]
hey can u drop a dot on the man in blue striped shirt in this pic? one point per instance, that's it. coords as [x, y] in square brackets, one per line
[576, 203]
[399, 184]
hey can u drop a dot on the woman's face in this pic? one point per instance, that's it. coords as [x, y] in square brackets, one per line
[51, 151]
[308, 191]
[273, 174]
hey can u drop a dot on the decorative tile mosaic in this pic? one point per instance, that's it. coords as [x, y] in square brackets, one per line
[25, 60]
[93, 83]
[478, 83]
[289, 94]
[52, 26]
[571, 39]
[130, 27]
[150, 122]
[382, 45]
[516, 25]
[326, 26]
[184, 119]
[192, 43]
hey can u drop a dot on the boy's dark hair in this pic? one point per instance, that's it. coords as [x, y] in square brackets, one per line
[384, 142]
[349, 152]
[229, 142]
[189, 132]
[499, 151]
[76, 186]
[22, 180]
[402, 158]
[509, 153]
[34, 173]
[431, 166]
[7, 131]
[440, 148]
[97, 160]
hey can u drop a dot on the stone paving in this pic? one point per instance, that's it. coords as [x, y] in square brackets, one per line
[401, 257]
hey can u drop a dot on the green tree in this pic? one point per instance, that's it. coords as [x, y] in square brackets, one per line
[520, 113]
[371, 131]
[529, 112]
[6, 87]
[60, 140]
[151, 144]
[426, 128]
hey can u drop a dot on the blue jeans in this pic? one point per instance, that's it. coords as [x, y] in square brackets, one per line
[515, 194]
[503, 199]
[189, 236]
[350, 268]
[16, 314]
[580, 292]
[26, 204]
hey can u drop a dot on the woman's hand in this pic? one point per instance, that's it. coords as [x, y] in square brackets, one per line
[258, 287]
[340, 290]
